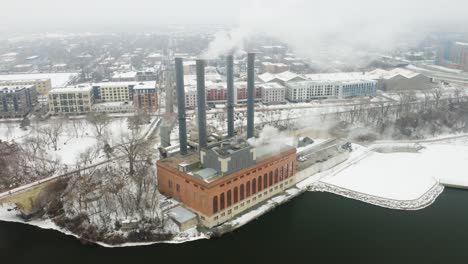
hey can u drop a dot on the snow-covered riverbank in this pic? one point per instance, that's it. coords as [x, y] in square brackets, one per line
[396, 180]
[8, 214]
[399, 180]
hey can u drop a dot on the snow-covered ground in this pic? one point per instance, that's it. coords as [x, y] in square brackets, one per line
[403, 176]
[7, 214]
[77, 135]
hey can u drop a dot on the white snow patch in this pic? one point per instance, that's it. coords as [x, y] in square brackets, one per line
[403, 176]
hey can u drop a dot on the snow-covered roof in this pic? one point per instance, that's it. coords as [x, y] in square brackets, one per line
[145, 86]
[14, 88]
[383, 74]
[57, 79]
[190, 63]
[461, 43]
[130, 74]
[24, 80]
[271, 86]
[181, 214]
[285, 76]
[79, 88]
[9, 54]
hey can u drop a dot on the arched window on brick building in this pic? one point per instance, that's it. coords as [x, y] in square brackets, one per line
[291, 168]
[228, 198]
[265, 181]
[281, 173]
[242, 192]
[215, 204]
[247, 189]
[270, 182]
[259, 180]
[221, 201]
[286, 171]
[276, 175]
[254, 186]
[236, 194]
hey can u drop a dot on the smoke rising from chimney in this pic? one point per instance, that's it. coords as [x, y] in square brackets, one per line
[339, 30]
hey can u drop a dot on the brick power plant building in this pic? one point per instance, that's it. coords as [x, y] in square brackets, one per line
[219, 180]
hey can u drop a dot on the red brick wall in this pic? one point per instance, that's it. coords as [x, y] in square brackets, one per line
[199, 195]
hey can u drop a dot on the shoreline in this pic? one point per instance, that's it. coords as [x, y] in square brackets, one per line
[411, 205]
[312, 183]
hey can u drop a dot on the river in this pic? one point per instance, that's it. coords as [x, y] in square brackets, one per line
[313, 228]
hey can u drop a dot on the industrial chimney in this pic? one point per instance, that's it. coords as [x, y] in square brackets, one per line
[250, 94]
[230, 95]
[202, 141]
[181, 105]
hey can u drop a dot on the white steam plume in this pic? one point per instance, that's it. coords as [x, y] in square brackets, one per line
[341, 30]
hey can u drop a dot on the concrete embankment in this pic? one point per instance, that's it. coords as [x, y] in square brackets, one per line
[425, 200]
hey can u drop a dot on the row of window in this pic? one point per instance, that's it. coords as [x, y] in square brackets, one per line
[248, 201]
[239, 193]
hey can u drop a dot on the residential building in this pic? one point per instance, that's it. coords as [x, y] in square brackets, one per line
[17, 101]
[71, 100]
[217, 93]
[145, 98]
[459, 55]
[312, 89]
[190, 96]
[42, 85]
[273, 93]
[113, 91]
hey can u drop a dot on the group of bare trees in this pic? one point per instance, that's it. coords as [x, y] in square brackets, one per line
[411, 117]
[24, 163]
[124, 188]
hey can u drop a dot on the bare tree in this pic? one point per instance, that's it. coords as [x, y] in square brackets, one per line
[52, 131]
[100, 121]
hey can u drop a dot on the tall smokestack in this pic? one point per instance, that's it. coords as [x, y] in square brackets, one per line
[201, 104]
[179, 67]
[230, 95]
[250, 94]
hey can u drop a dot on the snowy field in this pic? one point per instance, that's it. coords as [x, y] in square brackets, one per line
[77, 136]
[57, 79]
[404, 176]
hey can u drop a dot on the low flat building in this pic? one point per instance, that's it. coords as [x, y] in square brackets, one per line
[183, 217]
[71, 100]
[113, 107]
[124, 76]
[17, 101]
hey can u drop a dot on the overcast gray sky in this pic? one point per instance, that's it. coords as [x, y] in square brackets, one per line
[313, 27]
[24, 13]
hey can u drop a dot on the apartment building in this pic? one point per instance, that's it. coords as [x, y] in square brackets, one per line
[71, 100]
[273, 93]
[17, 101]
[145, 98]
[42, 86]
